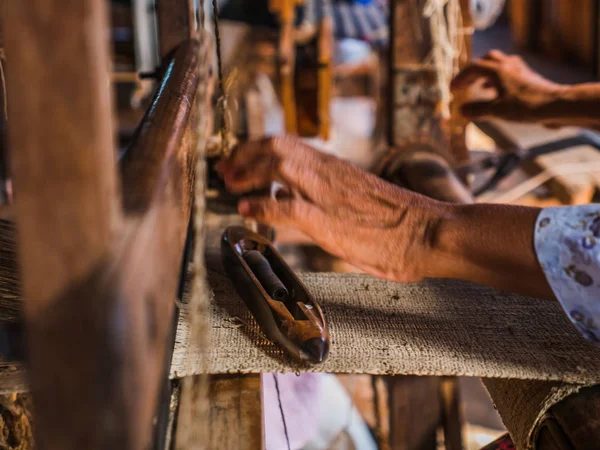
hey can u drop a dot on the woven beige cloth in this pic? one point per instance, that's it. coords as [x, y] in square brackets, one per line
[430, 328]
[526, 350]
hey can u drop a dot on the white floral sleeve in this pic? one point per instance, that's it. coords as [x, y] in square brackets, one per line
[567, 243]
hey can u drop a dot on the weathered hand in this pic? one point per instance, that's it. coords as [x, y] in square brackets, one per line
[380, 228]
[504, 86]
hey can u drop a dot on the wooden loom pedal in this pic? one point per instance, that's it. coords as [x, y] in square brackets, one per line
[284, 309]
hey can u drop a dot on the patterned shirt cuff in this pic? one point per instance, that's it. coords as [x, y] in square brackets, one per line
[567, 244]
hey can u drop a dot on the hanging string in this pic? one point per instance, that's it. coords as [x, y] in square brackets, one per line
[352, 395]
[201, 16]
[223, 99]
[3, 79]
[285, 430]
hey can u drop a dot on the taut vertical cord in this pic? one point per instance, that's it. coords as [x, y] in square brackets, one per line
[285, 430]
[223, 99]
[3, 79]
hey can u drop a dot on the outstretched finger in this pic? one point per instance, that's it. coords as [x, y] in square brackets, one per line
[495, 55]
[294, 213]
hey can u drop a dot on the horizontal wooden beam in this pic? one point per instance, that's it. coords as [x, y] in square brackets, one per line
[162, 149]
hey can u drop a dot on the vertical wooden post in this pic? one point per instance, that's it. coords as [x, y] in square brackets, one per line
[326, 49]
[457, 123]
[67, 212]
[286, 11]
[451, 413]
[236, 416]
[176, 23]
[413, 87]
[415, 413]
[521, 18]
[413, 112]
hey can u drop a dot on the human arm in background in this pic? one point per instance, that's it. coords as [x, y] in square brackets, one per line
[503, 86]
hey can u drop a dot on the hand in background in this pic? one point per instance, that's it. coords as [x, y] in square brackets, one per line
[503, 86]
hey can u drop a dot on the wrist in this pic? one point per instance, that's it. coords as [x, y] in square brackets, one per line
[551, 102]
[490, 245]
[441, 235]
[572, 105]
[476, 238]
[445, 238]
[569, 93]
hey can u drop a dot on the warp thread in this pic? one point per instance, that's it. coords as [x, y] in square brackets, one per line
[9, 271]
[223, 99]
[285, 429]
[382, 442]
[3, 79]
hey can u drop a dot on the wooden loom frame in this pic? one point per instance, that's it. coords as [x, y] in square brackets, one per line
[101, 242]
[86, 232]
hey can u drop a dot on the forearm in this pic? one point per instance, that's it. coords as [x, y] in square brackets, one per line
[576, 105]
[490, 245]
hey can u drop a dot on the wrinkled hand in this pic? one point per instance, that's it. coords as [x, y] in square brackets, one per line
[380, 228]
[504, 86]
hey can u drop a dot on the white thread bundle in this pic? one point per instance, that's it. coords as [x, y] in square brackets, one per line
[447, 39]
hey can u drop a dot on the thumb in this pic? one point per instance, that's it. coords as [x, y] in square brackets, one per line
[290, 211]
